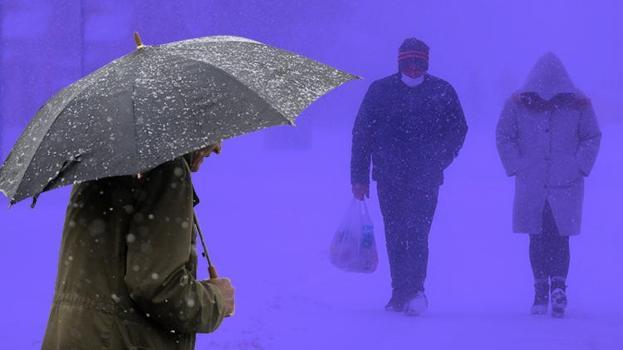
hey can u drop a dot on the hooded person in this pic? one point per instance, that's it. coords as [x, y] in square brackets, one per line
[548, 139]
[410, 126]
[127, 265]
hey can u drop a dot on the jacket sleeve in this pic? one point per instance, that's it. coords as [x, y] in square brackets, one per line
[506, 137]
[451, 135]
[589, 136]
[159, 273]
[363, 129]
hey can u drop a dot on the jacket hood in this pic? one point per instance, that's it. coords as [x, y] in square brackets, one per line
[549, 78]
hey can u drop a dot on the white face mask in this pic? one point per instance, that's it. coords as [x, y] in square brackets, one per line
[412, 82]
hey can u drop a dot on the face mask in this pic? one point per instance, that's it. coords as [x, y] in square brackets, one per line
[412, 82]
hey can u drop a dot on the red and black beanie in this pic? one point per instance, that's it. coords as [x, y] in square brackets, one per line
[413, 51]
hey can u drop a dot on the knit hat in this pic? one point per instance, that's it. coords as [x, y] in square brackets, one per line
[413, 51]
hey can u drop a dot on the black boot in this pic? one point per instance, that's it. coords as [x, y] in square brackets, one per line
[541, 298]
[397, 303]
[559, 297]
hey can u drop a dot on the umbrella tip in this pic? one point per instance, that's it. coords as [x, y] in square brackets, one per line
[138, 41]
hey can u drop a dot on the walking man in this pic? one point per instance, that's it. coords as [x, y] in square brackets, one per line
[410, 126]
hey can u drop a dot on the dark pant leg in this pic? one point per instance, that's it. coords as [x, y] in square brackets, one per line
[549, 251]
[560, 258]
[407, 214]
[421, 206]
[392, 204]
[558, 253]
[542, 246]
[539, 258]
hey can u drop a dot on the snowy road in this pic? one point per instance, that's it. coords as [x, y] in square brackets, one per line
[272, 239]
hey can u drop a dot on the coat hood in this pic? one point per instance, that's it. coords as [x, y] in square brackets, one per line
[549, 78]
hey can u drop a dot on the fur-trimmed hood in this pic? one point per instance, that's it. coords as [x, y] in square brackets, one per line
[549, 78]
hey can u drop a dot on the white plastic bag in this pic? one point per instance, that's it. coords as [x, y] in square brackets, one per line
[353, 247]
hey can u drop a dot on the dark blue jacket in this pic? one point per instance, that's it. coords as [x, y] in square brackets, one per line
[408, 133]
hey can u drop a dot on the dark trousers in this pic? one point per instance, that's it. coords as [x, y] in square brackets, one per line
[549, 252]
[408, 212]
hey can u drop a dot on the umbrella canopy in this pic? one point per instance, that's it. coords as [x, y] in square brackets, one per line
[158, 103]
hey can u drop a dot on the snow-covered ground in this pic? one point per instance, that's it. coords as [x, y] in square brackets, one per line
[269, 217]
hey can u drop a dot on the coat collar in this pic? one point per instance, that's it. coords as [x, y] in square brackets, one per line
[535, 102]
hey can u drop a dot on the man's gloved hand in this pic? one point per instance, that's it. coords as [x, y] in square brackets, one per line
[361, 191]
[227, 291]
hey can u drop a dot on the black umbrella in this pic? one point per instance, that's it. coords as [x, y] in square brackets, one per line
[158, 103]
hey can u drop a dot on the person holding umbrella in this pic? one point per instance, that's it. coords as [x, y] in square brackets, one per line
[127, 136]
[128, 264]
[411, 127]
[548, 139]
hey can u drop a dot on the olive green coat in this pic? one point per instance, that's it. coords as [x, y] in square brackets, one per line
[127, 267]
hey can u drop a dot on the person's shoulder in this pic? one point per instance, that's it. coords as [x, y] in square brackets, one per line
[390, 79]
[581, 101]
[438, 83]
[385, 81]
[105, 182]
[177, 167]
[104, 189]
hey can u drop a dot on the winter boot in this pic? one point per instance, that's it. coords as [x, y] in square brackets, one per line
[559, 297]
[541, 298]
[396, 303]
[417, 305]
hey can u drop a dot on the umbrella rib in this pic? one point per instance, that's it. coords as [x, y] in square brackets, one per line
[56, 117]
[138, 156]
[281, 114]
[36, 149]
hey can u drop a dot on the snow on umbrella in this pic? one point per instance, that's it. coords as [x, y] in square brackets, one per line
[158, 103]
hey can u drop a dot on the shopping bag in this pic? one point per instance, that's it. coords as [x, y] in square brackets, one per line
[353, 247]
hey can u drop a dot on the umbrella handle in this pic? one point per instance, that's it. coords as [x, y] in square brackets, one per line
[212, 272]
[211, 269]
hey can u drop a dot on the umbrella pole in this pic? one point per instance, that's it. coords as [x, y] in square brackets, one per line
[211, 269]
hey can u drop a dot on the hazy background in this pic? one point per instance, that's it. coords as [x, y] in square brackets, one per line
[271, 201]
